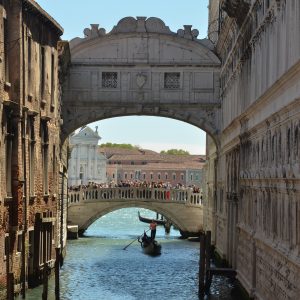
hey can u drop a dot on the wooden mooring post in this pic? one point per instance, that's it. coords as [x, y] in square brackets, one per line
[206, 272]
[201, 266]
[204, 264]
[57, 267]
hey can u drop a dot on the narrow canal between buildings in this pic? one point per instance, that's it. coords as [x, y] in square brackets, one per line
[97, 267]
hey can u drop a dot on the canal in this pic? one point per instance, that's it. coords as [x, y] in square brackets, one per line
[97, 267]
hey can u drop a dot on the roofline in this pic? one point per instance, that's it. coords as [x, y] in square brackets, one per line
[36, 8]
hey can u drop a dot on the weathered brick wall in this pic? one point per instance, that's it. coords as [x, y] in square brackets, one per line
[28, 33]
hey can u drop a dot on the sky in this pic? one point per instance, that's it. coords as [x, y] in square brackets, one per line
[147, 132]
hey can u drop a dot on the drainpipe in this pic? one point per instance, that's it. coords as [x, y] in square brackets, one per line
[24, 197]
[23, 271]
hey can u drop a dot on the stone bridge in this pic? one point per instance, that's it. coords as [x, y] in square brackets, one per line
[181, 206]
[141, 67]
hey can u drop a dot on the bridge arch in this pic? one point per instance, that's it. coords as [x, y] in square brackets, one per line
[167, 213]
[181, 206]
[141, 67]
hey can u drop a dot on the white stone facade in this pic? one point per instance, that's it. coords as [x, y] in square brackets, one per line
[253, 195]
[86, 164]
[142, 68]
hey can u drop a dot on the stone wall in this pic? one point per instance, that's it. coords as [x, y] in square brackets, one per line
[257, 210]
[30, 142]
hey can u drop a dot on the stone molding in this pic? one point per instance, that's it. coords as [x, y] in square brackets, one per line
[137, 25]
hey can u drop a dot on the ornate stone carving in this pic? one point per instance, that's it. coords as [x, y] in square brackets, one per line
[139, 25]
[157, 25]
[94, 32]
[141, 80]
[236, 9]
[188, 33]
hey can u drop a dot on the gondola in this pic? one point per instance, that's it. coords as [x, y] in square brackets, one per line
[147, 220]
[149, 246]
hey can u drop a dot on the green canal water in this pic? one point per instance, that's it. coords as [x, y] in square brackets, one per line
[97, 268]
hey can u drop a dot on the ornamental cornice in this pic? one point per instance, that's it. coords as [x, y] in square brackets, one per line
[140, 25]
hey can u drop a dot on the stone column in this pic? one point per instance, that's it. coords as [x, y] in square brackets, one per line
[88, 172]
[77, 175]
[95, 163]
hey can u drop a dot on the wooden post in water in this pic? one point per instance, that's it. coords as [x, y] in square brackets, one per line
[201, 266]
[45, 269]
[57, 265]
[207, 261]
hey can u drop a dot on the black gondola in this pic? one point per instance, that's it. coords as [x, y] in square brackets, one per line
[149, 246]
[147, 220]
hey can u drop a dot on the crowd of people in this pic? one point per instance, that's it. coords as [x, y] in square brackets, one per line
[135, 183]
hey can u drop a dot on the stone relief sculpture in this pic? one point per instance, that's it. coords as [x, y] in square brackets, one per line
[141, 79]
[236, 9]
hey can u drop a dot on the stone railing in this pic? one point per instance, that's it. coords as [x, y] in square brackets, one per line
[185, 196]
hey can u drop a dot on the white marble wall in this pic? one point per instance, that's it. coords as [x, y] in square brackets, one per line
[257, 222]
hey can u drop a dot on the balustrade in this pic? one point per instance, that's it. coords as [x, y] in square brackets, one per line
[185, 196]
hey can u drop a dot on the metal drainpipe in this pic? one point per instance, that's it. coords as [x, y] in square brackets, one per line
[24, 205]
[24, 115]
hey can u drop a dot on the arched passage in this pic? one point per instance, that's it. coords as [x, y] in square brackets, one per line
[187, 219]
[142, 68]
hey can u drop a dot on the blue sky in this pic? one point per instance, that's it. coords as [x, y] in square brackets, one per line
[147, 132]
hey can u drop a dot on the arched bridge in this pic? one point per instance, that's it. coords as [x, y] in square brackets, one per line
[181, 206]
[141, 67]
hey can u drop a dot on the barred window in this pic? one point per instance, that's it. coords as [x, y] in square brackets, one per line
[110, 80]
[172, 81]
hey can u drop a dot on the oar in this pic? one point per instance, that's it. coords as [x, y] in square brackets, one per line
[134, 240]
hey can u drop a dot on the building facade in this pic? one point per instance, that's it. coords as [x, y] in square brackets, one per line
[30, 152]
[253, 175]
[143, 165]
[86, 164]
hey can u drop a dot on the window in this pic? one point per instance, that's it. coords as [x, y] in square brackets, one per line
[131, 176]
[174, 176]
[8, 152]
[52, 81]
[29, 62]
[166, 176]
[191, 177]
[81, 173]
[197, 177]
[182, 176]
[125, 175]
[158, 176]
[132, 163]
[110, 80]
[151, 176]
[6, 50]
[144, 176]
[6, 245]
[45, 150]
[172, 81]
[19, 242]
[113, 175]
[42, 71]
[31, 154]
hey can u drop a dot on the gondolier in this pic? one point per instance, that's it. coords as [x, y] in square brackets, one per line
[153, 229]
